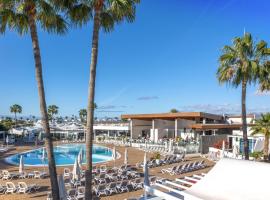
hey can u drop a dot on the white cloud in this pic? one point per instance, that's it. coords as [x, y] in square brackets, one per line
[146, 98]
[223, 108]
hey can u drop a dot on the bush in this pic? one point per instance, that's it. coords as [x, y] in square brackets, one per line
[157, 155]
[256, 154]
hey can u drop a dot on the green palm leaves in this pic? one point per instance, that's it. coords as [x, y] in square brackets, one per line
[111, 11]
[262, 127]
[52, 110]
[15, 16]
[243, 61]
[15, 108]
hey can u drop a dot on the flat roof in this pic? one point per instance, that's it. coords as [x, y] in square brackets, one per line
[240, 116]
[171, 116]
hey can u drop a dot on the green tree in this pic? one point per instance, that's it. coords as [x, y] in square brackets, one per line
[52, 110]
[173, 110]
[264, 77]
[83, 114]
[262, 126]
[15, 109]
[239, 65]
[24, 16]
[106, 14]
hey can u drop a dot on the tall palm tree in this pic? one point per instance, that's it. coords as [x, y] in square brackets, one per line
[52, 110]
[24, 16]
[15, 109]
[239, 65]
[106, 14]
[262, 126]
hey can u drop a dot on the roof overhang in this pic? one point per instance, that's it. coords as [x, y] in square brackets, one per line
[173, 116]
[217, 126]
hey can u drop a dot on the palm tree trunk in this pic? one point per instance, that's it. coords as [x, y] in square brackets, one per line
[90, 107]
[266, 147]
[15, 119]
[244, 120]
[43, 108]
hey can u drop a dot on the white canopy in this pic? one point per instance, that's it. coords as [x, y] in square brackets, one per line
[232, 179]
[16, 131]
[76, 170]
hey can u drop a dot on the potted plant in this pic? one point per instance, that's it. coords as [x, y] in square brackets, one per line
[157, 157]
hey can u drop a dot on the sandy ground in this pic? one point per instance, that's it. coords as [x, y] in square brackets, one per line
[135, 156]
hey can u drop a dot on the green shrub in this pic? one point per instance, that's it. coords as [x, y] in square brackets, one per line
[157, 155]
[256, 154]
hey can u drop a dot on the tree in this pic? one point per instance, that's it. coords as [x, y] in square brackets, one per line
[106, 14]
[24, 16]
[240, 64]
[264, 77]
[173, 110]
[15, 109]
[262, 126]
[52, 110]
[83, 114]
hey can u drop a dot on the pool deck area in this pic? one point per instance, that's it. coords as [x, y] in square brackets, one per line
[135, 156]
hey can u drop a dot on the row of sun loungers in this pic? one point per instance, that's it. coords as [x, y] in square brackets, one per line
[169, 159]
[72, 194]
[102, 178]
[6, 175]
[22, 187]
[120, 187]
[73, 141]
[184, 168]
[100, 170]
[161, 150]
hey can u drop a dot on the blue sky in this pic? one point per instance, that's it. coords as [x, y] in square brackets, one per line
[166, 59]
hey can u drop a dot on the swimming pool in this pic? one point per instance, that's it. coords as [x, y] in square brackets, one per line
[64, 155]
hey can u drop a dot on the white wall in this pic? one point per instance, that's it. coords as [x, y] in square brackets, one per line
[238, 120]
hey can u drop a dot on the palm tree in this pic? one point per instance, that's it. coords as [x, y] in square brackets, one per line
[240, 64]
[83, 114]
[52, 110]
[106, 14]
[262, 126]
[23, 16]
[15, 109]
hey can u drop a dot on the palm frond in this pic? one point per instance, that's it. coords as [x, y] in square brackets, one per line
[243, 61]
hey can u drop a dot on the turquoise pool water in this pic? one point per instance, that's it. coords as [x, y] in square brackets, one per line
[64, 155]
